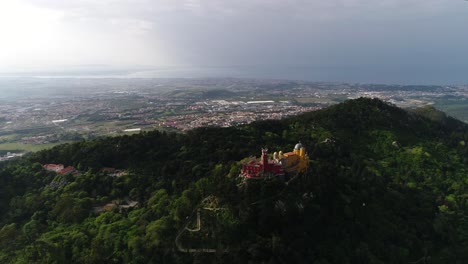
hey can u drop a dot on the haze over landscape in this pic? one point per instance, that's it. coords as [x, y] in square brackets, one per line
[387, 41]
[237, 131]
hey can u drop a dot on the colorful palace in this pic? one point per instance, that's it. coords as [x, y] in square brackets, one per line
[296, 161]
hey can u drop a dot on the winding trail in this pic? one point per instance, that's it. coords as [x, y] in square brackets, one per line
[183, 249]
[212, 200]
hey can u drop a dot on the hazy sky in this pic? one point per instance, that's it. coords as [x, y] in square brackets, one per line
[400, 41]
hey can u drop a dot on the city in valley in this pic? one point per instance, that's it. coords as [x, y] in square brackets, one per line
[37, 113]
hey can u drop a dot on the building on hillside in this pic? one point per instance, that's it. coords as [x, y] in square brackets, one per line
[112, 172]
[296, 161]
[59, 168]
[53, 167]
[108, 170]
[126, 204]
[67, 170]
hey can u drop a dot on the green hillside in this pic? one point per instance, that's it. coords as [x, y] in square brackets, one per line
[385, 185]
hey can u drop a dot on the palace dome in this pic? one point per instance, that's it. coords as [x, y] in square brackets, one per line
[298, 146]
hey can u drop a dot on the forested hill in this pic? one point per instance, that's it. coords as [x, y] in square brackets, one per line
[385, 185]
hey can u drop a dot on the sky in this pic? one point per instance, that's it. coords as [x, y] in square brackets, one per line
[384, 41]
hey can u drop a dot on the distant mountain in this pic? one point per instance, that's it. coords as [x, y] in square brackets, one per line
[384, 185]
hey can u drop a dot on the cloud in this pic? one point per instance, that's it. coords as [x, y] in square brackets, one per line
[333, 35]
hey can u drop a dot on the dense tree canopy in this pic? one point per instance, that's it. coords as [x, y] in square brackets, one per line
[385, 185]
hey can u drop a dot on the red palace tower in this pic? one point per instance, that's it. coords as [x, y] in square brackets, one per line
[258, 169]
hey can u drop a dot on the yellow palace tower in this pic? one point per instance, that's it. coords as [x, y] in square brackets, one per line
[296, 161]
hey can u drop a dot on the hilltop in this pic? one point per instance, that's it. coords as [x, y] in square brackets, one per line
[384, 185]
